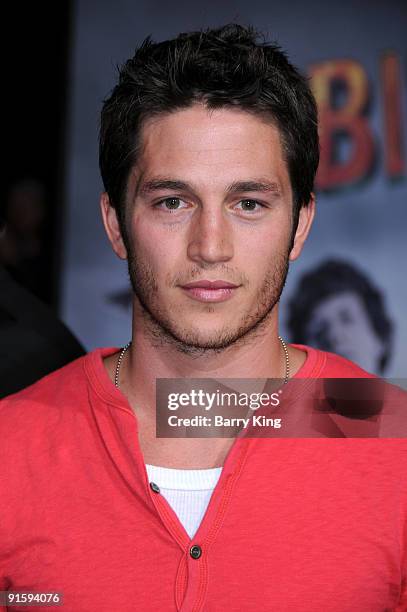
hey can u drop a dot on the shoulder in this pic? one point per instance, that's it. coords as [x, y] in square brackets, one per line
[323, 364]
[337, 366]
[373, 394]
[43, 402]
[65, 388]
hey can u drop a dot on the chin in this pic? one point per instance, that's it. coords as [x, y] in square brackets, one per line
[214, 338]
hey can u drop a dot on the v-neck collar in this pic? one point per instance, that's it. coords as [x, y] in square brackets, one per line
[126, 433]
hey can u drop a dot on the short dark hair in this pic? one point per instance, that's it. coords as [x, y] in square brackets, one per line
[332, 277]
[224, 67]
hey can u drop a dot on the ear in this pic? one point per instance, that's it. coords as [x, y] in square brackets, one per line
[112, 227]
[305, 220]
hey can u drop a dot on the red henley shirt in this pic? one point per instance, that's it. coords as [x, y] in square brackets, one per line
[307, 525]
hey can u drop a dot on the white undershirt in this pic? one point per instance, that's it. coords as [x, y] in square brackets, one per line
[187, 491]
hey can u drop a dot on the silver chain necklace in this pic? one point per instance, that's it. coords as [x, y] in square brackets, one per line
[124, 349]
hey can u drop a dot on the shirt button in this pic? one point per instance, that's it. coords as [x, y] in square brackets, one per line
[154, 487]
[195, 551]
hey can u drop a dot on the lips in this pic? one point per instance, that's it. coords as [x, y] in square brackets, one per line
[210, 291]
[207, 284]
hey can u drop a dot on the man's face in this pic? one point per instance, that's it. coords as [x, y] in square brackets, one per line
[209, 200]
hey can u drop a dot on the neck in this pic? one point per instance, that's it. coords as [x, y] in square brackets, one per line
[261, 358]
[260, 355]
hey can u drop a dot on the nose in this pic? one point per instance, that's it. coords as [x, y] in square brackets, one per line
[210, 238]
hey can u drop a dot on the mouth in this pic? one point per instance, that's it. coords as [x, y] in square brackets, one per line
[210, 291]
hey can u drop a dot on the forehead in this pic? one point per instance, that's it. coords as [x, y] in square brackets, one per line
[221, 145]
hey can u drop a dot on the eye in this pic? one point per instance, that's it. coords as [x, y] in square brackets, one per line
[250, 206]
[170, 204]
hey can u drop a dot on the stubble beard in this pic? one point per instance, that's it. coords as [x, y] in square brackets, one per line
[162, 331]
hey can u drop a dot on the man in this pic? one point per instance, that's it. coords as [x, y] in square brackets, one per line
[208, 152]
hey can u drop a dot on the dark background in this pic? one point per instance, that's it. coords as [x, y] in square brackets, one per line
[36, 84]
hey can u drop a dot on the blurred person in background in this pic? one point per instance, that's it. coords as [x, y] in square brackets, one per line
[22, 247]
[33, 342]
[336, 307]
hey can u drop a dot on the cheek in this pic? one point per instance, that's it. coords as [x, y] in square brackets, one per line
[147, 239]
[263, 242]
[161, 248]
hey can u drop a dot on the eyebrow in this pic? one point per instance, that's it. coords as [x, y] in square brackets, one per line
[158, 184]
